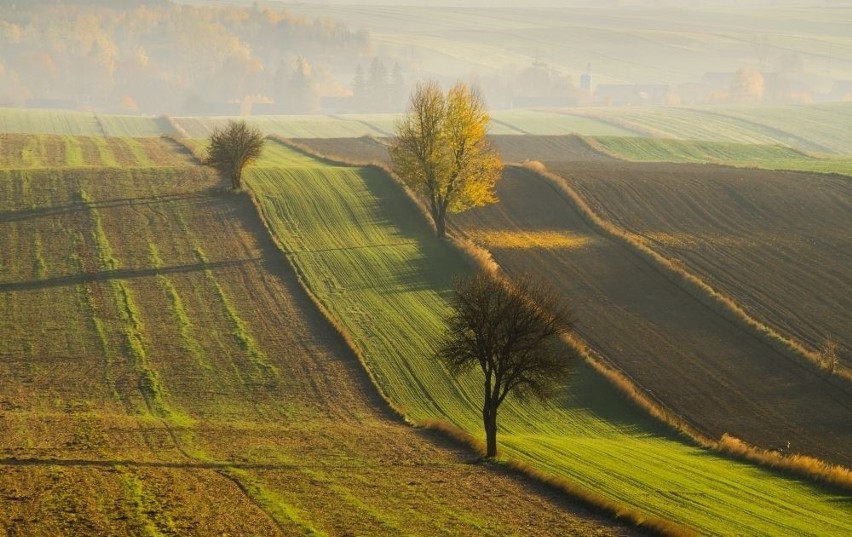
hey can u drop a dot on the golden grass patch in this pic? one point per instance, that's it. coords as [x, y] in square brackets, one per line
[552, 240]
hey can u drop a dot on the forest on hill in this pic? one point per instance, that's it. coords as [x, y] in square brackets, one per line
[160, 57]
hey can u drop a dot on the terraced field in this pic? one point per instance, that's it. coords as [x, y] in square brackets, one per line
[293, 126]
[823, 124]
[382, 276]
[778, 243]
[768, 157]
[162, 372]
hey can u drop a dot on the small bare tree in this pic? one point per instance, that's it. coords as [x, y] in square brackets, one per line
[232, 148]
[511, 331]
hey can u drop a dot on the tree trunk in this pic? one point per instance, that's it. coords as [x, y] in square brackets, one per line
[489, 420]
[441, 226]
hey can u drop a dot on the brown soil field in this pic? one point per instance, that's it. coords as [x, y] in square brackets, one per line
[719, 377]
[561, 148]
[162, 371]
[778, 243]
[363, 149]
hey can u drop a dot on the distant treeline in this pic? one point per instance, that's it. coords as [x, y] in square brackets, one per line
[155, 56]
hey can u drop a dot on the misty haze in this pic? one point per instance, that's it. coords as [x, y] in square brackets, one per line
[259, 58]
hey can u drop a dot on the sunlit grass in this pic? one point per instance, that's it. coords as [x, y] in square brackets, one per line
[530, 239]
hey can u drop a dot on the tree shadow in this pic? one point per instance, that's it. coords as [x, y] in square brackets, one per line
[77, 206]
[119, 274]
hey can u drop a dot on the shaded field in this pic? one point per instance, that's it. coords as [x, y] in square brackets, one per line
[362, 149]
[163, 372]
[512, 148]
[778, 243]
[718, 377]
[521, 148]
[369, 259]
[55, 151]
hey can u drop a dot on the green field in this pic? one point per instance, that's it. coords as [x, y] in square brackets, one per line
[50, 151]
[770, 157]
[22, 121]
[293, 126]
[826, 125]
[815, 129]
[377, 269]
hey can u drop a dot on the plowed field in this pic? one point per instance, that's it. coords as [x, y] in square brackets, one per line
[163, 373]
[718, 376]
[779, 243]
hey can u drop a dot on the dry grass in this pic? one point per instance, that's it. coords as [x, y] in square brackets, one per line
[796, 464]
[555, 240]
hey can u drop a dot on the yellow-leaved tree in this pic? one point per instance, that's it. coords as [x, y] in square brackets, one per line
[441, 150]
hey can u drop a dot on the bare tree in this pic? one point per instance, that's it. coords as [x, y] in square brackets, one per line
[512, 332]
[232, 148]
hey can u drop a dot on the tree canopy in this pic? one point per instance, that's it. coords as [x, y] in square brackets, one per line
[511, 332]
[441, 150]
[232, 148]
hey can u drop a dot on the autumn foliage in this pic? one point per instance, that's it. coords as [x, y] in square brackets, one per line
[441, 150]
